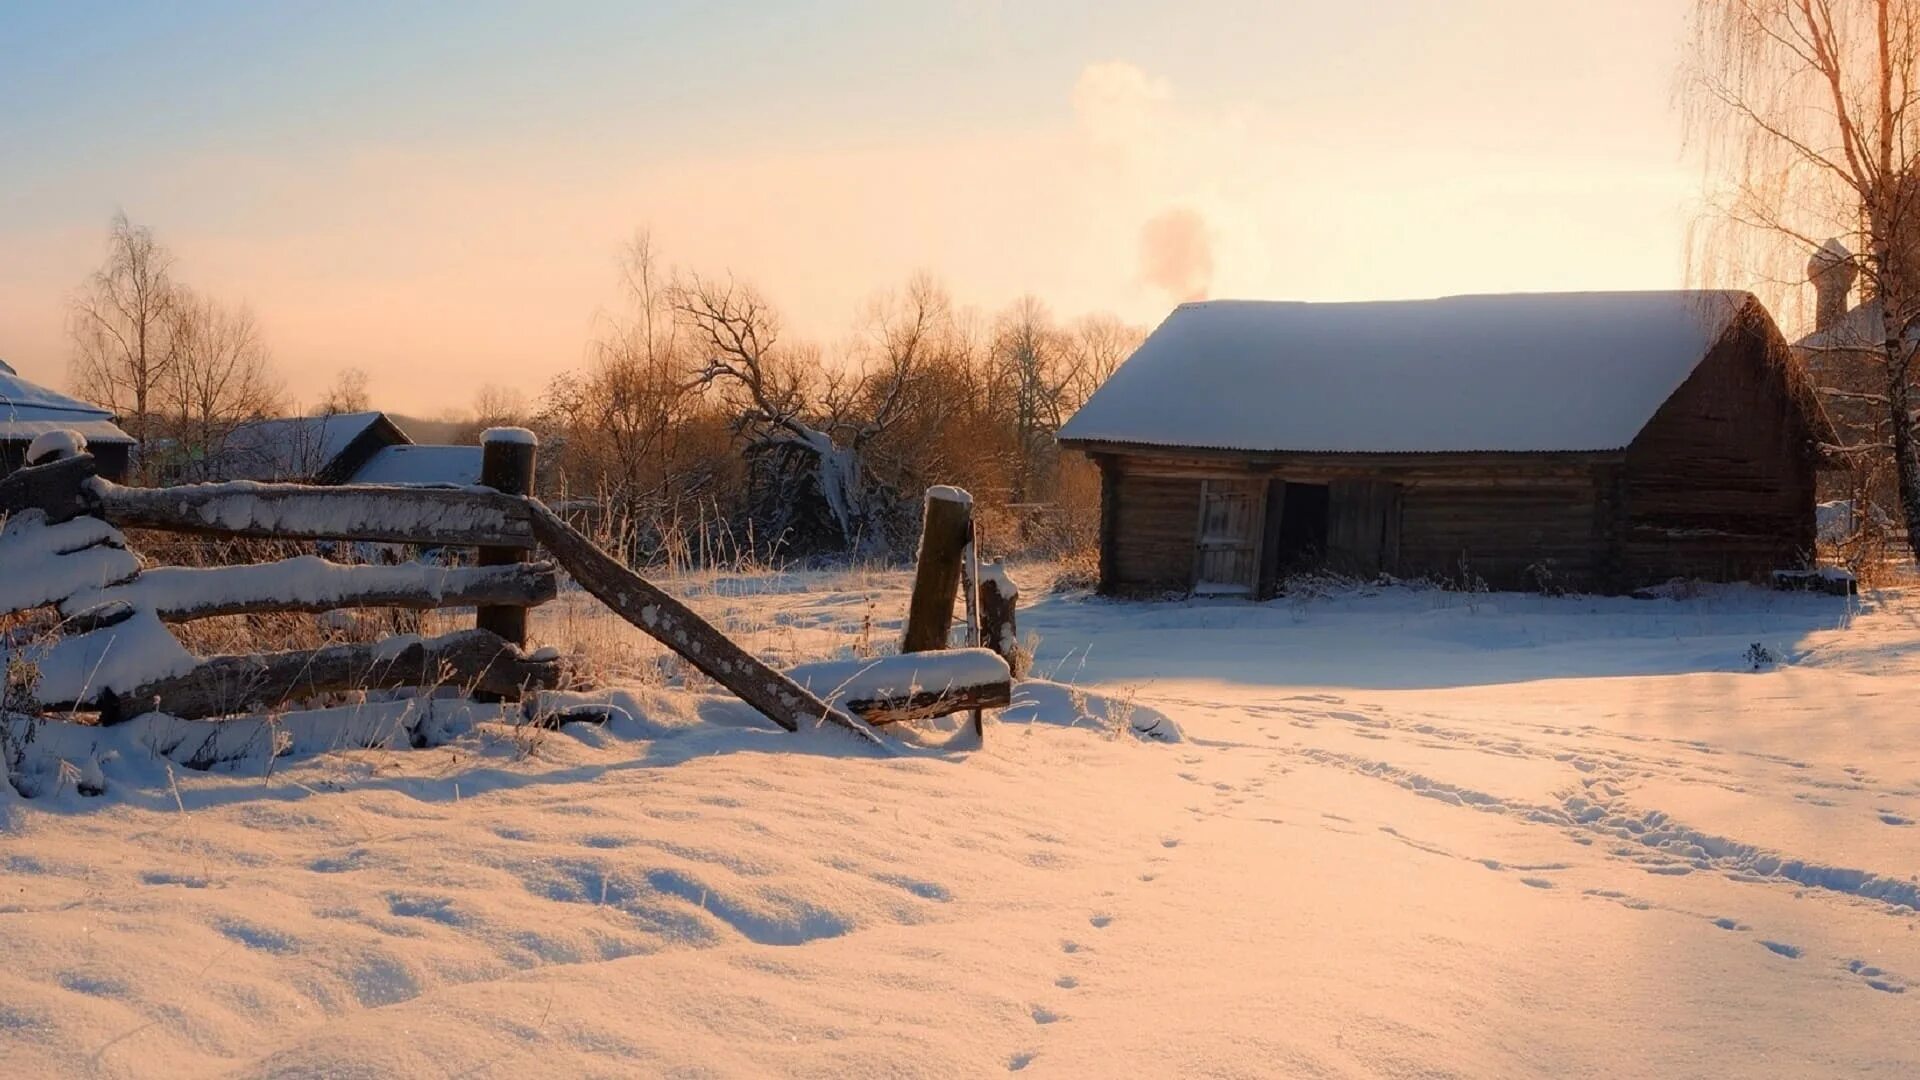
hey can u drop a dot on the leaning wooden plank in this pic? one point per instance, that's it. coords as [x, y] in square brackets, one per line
[223, 685]
[912, 686]
[55, 487]
[405, 515]
[674, 625]
[310, 583]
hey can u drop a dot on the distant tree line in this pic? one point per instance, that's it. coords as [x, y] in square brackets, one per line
[697, 427]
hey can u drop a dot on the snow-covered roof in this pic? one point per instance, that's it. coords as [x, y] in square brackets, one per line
[28, 410]
[291, 448]
[1526, 372]
[419, 464]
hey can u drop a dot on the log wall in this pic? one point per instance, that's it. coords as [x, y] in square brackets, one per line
[1720, 483]
[1155, 521]
[1511, 521]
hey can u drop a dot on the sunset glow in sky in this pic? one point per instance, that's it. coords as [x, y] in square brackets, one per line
[438, 196]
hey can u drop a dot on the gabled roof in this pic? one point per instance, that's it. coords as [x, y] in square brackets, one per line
[421, 464]
[29, 409]
[1526, 372]
[292, 448]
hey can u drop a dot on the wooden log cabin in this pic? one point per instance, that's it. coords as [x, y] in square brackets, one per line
[1595, 442]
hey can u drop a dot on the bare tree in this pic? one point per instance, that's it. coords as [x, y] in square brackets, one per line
[119, 323]
[810, 426]
[217, 378]
[498, 406]
[1099, 344]
[348, 393]
[1037, 366]
[623, 425]
[1806, 111]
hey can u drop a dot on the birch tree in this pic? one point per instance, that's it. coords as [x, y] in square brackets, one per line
[119, 326]
[1805, 111]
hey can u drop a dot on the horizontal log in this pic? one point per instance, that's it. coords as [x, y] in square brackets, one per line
[430, 517]
[224, 685]
[926, 704]
[910, 686]
[310, 583]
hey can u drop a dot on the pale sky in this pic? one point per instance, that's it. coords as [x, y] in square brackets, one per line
[438, 196]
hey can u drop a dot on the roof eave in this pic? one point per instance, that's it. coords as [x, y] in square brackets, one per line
[1117, 446]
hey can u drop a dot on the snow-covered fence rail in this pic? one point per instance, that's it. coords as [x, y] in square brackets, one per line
[429, 517]
[471, 660]
[312, 584]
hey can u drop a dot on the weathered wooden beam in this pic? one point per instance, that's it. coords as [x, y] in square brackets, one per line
[224, 685]
[676, 626]
[926, 704]
[58, 488]
[465, 517]
[945, 528]
[911, 686]
[310, 583]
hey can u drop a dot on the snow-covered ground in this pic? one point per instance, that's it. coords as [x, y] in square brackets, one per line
[1406, 833]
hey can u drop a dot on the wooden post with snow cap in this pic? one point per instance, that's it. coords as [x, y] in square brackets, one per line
[998, 630]
[506, 466]
[946, 525]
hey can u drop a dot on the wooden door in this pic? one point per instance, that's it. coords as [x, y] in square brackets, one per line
[1227, 546]
[1363, 527]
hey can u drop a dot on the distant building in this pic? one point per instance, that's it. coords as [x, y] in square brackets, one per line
[1589, 441]
[306, 449]
[418, 464]
[345, 448]
[1845, 358]
[28, 410]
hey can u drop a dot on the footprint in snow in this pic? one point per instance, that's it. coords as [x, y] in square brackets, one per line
[1791, 952]
[1020, 1061]
[1069, 946]
[1884, 981]
[1044, 1015]
[1170, 842]
[1101, 922]
[1066, 982]
[1894, 819]
[1536, 882]
[1730, 924]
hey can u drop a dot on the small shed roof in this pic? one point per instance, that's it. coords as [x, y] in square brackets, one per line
[1525, 372]
[28, 410]
[291, 448]
[421, 464]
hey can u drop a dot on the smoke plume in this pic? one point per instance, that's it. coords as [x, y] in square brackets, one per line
[1176, 254]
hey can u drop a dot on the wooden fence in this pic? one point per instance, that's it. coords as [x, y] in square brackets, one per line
[101, 591]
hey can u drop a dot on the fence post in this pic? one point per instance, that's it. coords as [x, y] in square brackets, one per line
[944, 529]
[506, 466]
[998, 629]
